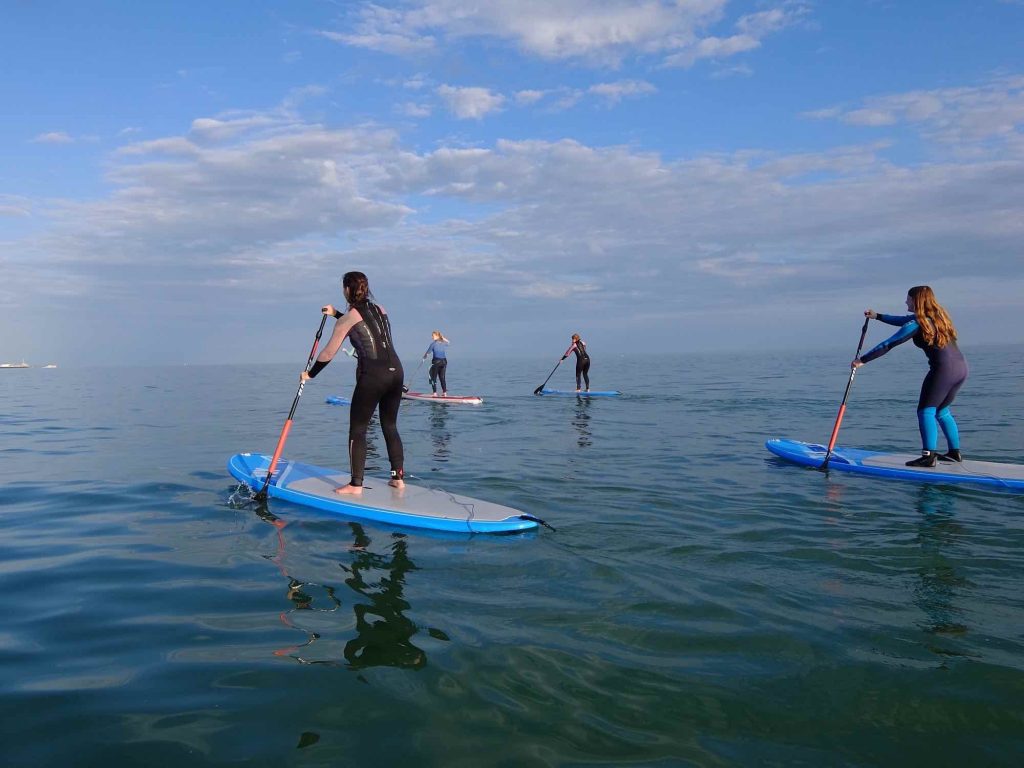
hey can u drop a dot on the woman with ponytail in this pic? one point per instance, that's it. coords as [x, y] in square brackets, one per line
[379, 377]
[932, 330]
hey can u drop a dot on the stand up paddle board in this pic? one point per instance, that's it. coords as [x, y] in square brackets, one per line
[456, 399]
[338, 400]
[412, 506]
[893, 465]
[573, 393]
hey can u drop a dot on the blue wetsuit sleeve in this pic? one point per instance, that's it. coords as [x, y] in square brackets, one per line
[904, 333]
[895, 319]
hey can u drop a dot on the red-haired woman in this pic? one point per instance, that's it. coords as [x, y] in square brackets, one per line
[378, 377]
[932, 330]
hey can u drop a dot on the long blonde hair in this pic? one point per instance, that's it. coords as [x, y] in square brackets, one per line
[938, 330]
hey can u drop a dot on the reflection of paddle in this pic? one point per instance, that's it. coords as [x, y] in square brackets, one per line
[538, 389]
[261, 495]
[846, 394]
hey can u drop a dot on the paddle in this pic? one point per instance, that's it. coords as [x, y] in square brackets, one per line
[405, 388]
[846, 394]
[538, 389]
[261, 495]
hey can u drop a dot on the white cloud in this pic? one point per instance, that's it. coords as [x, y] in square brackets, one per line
[991, 112]
[615, 92]
[527, 97]
[53, 137]
[412, 109]
[470, 103]
[601, 32]
[283, 202]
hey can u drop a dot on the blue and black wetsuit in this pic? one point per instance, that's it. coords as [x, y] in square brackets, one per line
[438, 364]
[947, 371]
[379, 378]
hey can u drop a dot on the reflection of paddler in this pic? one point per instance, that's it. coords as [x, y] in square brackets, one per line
[384, 632]
[940, 580]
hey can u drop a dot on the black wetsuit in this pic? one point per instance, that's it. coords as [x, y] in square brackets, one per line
[582, 362]
[379, 378]
[947, 371]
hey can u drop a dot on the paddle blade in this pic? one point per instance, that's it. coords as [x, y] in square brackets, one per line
[538, 389]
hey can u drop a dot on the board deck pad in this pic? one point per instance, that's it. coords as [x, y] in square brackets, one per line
[893, 465]
[452, 399]
[413, 506]
[574, 393]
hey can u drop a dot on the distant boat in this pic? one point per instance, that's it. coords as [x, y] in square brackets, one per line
[50, 365]
[22, 364]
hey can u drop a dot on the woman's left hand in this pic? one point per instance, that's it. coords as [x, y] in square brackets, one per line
[856, 363]
[304, 377]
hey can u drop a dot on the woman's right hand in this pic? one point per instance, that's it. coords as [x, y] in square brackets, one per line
[870, 314]
[328, 310]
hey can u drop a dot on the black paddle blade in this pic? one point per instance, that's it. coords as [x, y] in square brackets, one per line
[538, 389]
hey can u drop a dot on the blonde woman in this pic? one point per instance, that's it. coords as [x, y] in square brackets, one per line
[932, 330]
[438, 363]
[579, 347]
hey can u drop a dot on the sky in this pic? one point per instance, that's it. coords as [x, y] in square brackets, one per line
[186, 182]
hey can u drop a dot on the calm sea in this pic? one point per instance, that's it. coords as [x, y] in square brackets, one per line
[700, 603]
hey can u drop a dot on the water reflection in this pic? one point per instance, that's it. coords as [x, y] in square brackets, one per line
[383, 632]
[939, 578]
[581, 421]
[439, 434]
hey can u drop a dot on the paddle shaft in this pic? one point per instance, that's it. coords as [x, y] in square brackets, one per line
[538, 389]
[291, 414]
[846, 394]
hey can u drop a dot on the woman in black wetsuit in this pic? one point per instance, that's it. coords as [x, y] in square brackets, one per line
[931, 329]
[378, 377]
[579, 346]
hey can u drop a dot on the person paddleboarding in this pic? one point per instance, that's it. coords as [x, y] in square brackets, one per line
[579, 346]
[438, 362]
[932, 330]
[379, 377]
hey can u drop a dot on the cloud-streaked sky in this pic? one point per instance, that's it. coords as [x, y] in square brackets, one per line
[187, 182]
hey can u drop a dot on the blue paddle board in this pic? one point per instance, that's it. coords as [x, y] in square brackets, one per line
[338, 400]
[412, 506]
[573, 393]
[893, 465]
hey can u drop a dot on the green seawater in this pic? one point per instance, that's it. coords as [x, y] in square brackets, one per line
[700, 603]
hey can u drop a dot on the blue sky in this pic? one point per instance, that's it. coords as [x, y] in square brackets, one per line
[186, 182]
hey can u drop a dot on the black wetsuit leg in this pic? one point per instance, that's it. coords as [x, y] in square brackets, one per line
[432, 375]
[583, 369]
[441, 365]
[375, 385]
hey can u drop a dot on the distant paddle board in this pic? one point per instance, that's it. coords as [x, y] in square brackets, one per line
[454, 399]
[338, 400]
[412, 506]
[893, 465]
[573, 393]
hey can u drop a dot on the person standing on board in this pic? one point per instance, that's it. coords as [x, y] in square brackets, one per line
[379, 377]
[932, 330]
[438, 363]
[579, 346]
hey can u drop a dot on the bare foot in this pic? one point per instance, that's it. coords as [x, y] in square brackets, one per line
[349, 490]
[434, 394]
[396, 483]
[444, 394]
